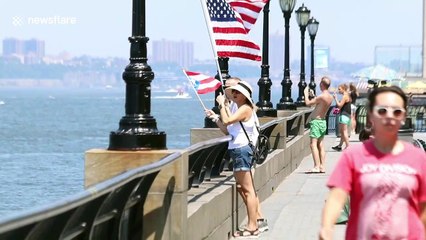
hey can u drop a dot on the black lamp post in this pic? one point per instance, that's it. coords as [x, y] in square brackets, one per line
[224, 71]
[138, 129]
[265, 83]
[302, 20]
[286, 102]
[312, 29]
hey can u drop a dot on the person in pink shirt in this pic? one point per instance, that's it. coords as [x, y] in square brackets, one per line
[384, 177]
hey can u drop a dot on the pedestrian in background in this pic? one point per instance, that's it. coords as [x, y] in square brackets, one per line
[384, 177]
[318, 124]
[354, 94]
[344, 116]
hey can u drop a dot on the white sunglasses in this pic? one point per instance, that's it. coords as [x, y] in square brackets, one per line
[382, 111]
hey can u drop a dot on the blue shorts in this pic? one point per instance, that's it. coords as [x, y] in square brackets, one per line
[241, 158]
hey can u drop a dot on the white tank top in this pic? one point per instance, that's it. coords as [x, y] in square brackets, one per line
[239, 138]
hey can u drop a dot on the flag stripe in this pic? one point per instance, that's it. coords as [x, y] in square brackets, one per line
[240, 49]
[228, 30]
[240, 43]
[253, 57]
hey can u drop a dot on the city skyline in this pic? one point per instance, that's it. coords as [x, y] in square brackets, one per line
[352, 32]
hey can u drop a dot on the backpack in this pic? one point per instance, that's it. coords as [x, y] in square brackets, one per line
[261, 149]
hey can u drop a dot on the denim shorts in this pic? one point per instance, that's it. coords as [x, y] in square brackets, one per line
[241, 158]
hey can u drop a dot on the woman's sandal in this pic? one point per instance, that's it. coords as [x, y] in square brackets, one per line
[313, 171]
[246, 234]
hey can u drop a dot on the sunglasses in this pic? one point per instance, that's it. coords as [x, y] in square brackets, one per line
[382, 111]
[235, 91]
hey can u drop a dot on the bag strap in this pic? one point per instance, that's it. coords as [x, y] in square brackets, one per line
[256, 123]
[245, 132]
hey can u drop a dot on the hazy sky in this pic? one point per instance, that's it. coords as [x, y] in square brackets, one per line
[351, 28]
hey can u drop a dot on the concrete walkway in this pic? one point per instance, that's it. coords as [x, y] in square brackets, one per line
[294, 209]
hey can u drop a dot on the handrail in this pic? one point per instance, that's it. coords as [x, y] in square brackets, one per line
[208, 143]
[44, 212]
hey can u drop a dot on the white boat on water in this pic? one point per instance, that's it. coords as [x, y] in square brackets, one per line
[2, 102]
[182, 94]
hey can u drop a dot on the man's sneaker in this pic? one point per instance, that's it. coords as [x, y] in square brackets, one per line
[262, 224]
[337, 148]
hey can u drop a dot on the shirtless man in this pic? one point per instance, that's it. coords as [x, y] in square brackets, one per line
[318, 124]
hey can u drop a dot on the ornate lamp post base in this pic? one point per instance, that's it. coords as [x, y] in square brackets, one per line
[286, 106]
[301, 99]
[266, 112]
[208, 123]
[141, 141]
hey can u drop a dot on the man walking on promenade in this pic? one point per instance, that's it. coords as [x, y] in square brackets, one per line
[318, 124]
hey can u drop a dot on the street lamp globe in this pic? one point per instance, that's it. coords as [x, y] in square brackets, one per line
[313, 27]
[302, 16]
[287, 6]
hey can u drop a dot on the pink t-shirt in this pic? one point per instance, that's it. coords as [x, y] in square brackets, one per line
[385, 191]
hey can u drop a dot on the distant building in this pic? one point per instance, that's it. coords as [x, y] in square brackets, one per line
[12, 46]
[179, 52]
[31, 51]
[34, 47]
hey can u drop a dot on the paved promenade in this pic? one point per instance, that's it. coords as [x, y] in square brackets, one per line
[294, 209]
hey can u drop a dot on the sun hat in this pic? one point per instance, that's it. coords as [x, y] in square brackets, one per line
[244, 88]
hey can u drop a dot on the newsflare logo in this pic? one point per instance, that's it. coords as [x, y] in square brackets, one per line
[19, 21]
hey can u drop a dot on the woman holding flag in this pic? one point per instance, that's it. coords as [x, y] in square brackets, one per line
[239, 149]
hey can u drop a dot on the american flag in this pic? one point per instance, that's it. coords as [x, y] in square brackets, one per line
[203, 83]
[228, 30]
[248, 10]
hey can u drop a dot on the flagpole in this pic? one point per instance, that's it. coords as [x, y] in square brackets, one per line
[206, 17]
[196, 93]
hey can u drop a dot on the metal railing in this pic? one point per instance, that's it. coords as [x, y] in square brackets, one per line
[209, 158]
[112, 209]
[420, 143]
[206, 160]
